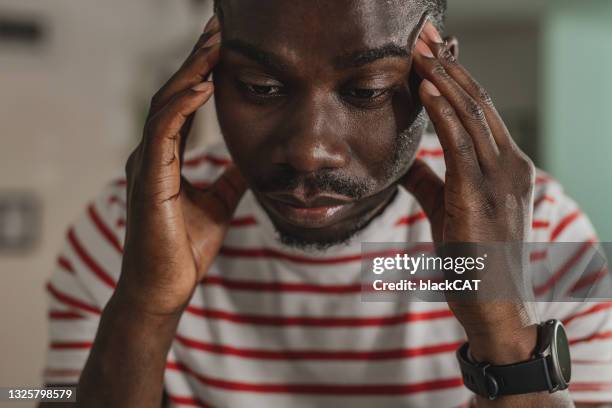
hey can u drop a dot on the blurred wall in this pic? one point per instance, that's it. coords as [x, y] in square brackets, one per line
[71, 107]
[577, 103]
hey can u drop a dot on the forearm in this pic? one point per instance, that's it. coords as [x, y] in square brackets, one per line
[126, 364]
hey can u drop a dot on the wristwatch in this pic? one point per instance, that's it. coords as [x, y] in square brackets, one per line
[548, 370]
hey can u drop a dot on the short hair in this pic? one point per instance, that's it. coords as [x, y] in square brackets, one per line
[437, 8]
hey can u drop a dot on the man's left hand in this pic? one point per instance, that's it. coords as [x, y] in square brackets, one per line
[487, 194]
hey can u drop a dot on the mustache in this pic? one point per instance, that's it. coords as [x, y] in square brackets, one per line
[323, 181]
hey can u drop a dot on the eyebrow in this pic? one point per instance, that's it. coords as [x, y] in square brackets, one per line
[351, 60]
[364, 57]
[260, 56]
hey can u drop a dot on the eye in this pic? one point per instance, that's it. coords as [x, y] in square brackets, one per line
[365, 93]
[262, 90]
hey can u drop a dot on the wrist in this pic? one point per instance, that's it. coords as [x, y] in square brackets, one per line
[503, 346]
[144, 304]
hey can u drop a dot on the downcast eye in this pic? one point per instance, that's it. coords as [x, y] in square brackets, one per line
[263, 90]
[366, 93]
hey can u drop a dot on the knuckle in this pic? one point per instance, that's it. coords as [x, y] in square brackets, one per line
[446, 111]
[526, 166]
[439, 70]
[474, 111]
[484, 97]
[152, 127]
[157, 102]
[129, 164]
[446, 55]
[464, 147]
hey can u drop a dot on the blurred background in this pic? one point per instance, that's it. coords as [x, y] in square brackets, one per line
[76, 78]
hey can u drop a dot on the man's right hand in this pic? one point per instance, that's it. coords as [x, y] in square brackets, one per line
[174, 230]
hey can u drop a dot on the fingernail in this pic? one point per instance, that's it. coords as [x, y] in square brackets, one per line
[423, 49]
[202, 87]
[212, 40]
[430, 88]
[213, 24]
[431, 33]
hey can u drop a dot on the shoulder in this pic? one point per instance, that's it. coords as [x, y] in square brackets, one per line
[556, 216]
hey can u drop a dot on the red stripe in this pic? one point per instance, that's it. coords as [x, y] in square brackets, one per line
[411, 219]
[597, 336]
[543, 179]
[319, 354]
[256, 286]
[538, 255]
[544, 198]
[430, 153]
[88, 260]
[61, 372]
[540, 290]
[58, 345]
[120, 183]
[64, 315]
[274, 254]
[192, 402]
[601, 386]
[309, 321]
[539, 224]
[594, 309]
[324, 389]
[565, 222]
[70, 301]
[214, 160]
[65, 264]
[589, 280]
[115, 199]
[104, 230]
[243, 221]
[201, 184]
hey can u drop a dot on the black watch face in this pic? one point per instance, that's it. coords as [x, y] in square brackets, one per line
[563, 354]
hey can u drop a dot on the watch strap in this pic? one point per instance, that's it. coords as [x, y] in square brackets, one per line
[492, 381]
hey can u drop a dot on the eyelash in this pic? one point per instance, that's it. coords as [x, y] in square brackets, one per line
[259, 92]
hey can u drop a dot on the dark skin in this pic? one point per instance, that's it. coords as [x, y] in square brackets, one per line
[323, 121]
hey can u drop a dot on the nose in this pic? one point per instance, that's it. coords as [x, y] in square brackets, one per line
[314, 137]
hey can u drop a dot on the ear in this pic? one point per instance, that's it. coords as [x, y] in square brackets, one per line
[453, 45]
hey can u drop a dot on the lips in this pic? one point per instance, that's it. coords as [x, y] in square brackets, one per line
[314, 211]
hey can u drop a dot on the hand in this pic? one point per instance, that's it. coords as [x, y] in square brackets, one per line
[487, 195]
[174, 230]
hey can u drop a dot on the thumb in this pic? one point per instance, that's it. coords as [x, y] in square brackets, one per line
[426, 187]
[224, 195]
[209, 212]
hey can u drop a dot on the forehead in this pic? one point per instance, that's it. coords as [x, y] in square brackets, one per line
[298, 29]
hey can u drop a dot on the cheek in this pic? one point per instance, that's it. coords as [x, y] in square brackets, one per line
[379, 142]
[239, 124]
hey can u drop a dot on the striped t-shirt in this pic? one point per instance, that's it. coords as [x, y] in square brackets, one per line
[273, 326]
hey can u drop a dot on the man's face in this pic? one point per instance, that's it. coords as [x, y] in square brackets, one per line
[316, 104]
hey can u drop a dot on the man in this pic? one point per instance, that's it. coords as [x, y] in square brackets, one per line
[246, 293]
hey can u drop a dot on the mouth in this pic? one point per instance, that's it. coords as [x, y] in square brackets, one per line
[314, 211]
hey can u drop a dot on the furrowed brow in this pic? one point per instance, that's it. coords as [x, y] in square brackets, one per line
[364, 57]
[256, 54]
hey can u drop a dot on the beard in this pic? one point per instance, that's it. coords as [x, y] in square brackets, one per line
[406, 145]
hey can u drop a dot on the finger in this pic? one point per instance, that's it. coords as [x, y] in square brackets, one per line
[459, 153]
[468, 110]
[212, 27]
[162, 141]
[195, 70]
[461, 75]
[426, 186]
